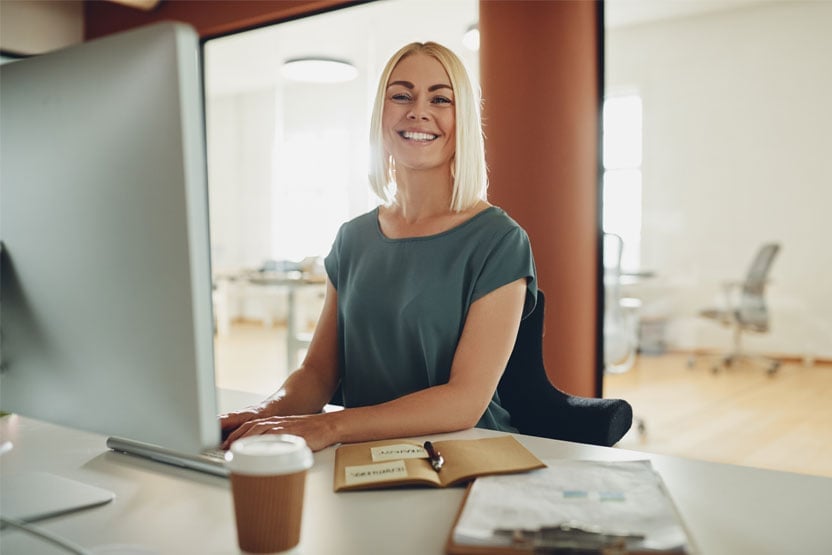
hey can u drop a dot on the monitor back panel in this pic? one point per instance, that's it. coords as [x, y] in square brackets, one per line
[105, 298]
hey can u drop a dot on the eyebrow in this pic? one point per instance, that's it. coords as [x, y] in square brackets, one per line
[409, 85]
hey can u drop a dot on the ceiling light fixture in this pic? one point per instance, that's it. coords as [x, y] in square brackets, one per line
[145, 5]
[318, 70]
[471, 38]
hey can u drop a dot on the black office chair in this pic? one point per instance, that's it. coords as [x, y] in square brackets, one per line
[538, 408]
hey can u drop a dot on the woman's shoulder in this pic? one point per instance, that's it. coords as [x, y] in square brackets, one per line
[498, 220]
[361, 223]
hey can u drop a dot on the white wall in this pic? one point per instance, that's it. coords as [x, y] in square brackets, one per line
[272, 154]
[737, 137]
[240, 177]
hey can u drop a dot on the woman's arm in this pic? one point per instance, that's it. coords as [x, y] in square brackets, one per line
[308, 388]
[481, 356]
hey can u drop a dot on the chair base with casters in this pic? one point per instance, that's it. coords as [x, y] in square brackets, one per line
[540, 409]
[731, 360]
[737, 356]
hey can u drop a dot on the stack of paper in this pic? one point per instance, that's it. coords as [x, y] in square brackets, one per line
[626, 501]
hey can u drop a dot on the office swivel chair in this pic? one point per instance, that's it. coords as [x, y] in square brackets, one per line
[538, 408]
[744, 310]
[620, 319]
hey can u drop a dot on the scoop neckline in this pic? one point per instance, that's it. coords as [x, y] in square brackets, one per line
[433, 236]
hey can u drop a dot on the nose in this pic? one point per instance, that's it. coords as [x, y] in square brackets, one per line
[418, 112]
[417, 115]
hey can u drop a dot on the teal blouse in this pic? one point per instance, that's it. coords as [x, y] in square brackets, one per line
[402, 303]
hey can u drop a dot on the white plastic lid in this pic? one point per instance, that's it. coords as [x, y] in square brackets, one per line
[269, 454]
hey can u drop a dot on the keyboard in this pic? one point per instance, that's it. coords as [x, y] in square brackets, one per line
[209, 461]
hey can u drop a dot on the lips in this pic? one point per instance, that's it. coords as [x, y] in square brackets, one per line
[417, 136]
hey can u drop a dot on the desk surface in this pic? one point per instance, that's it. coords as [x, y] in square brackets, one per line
[728, 509]
[295, 279]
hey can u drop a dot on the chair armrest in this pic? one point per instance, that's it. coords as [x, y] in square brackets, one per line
[578, 419]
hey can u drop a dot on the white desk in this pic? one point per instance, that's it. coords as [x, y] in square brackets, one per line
[729, 510]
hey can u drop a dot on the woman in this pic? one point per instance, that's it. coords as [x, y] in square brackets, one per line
[424, 293]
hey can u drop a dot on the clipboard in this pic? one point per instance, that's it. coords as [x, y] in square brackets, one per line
[571, 538]
[453, 548]
[601, 544]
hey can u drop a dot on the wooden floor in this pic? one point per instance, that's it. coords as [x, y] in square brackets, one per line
[252, 357]
[740, 416]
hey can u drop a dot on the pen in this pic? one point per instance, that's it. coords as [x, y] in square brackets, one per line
[434, 456]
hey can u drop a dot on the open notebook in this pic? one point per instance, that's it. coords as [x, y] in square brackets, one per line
[402, 462]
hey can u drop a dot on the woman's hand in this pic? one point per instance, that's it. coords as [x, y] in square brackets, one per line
[316, 429]
[231, 421]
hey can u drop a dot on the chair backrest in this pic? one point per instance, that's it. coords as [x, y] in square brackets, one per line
[752, 310]
[613, 250]
[757, 275]
[620, 333]
[539, 408]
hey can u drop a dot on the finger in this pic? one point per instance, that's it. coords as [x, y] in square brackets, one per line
[249, 428]
[232, 420]
[236, 434]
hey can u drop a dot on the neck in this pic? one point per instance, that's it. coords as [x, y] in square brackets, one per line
[423, 194]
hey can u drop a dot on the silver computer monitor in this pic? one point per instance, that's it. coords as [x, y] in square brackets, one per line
[105, 292]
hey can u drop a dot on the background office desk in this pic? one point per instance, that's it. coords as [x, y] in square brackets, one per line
[729, 510]
[233, 289]
[295, 340]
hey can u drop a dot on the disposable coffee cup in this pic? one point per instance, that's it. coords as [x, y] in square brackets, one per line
[268, 476]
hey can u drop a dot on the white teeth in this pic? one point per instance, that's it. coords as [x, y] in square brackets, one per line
[418, 136]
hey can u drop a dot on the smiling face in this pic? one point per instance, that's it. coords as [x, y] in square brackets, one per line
[418, 120]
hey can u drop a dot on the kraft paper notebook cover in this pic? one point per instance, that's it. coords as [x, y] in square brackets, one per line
[400, 462]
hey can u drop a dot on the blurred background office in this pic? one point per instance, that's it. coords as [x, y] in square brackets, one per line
[716, 123]
[715, 126]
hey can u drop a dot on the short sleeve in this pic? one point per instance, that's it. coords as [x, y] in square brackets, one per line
[332, 262]
[509, 260]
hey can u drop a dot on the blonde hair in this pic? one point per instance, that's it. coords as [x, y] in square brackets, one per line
[468, 168]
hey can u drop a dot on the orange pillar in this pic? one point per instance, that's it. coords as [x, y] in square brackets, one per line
[539, 70]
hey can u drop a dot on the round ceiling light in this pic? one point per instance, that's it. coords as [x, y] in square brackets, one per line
[318, 70]
[471, 39]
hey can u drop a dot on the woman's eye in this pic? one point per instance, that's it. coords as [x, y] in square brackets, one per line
[401, 97]
[441, 100]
